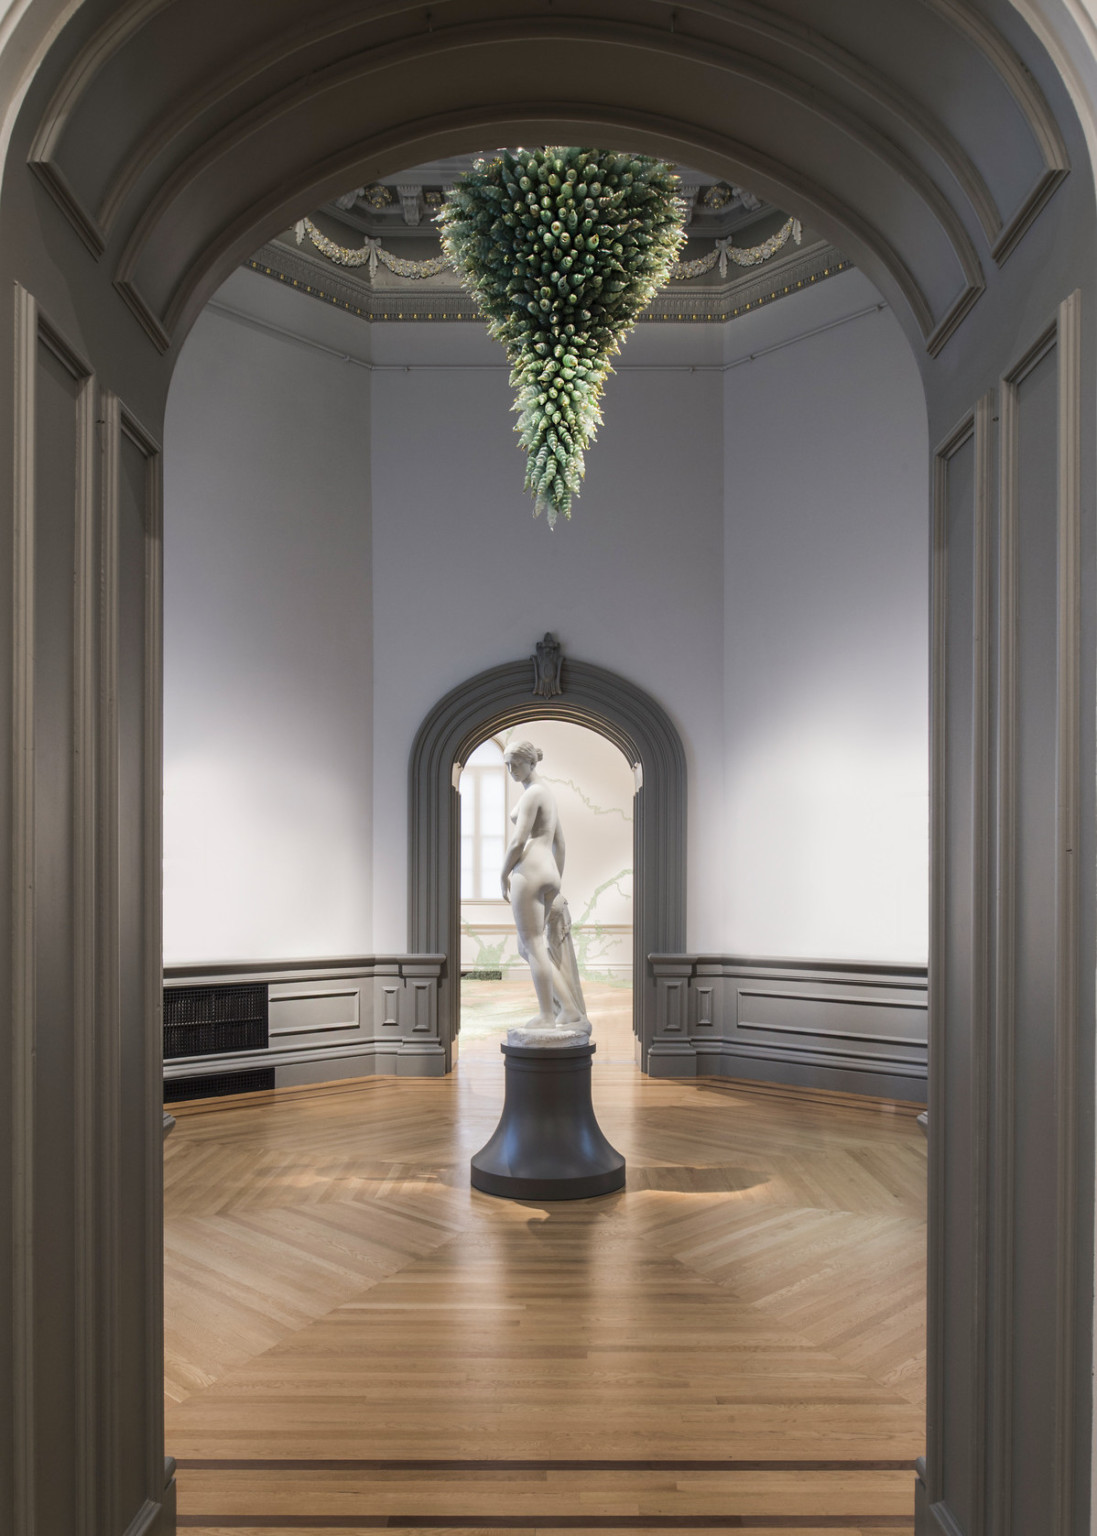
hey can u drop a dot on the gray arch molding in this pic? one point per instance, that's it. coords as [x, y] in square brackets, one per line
[604, 702]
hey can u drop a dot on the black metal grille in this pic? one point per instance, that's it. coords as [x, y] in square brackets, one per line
[207, 1021]
[218, 1084]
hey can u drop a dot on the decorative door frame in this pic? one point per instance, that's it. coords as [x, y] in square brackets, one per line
[604, 702]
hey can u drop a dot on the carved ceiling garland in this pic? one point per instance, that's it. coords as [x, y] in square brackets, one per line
[725, 251]
[373, 254]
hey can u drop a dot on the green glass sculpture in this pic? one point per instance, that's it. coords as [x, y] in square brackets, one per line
[562, 247]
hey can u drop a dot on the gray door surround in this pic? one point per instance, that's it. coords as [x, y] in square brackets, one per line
[604, 702]
[121, 210]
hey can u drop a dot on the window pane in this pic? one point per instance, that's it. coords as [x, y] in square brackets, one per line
[491, 863]
[489, 753]
[492, 810]
[468, 876]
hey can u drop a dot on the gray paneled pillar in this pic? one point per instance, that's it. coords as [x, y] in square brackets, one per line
[1011, 986]
[86, 1122]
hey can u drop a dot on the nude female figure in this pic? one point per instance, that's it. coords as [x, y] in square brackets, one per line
[532, 870]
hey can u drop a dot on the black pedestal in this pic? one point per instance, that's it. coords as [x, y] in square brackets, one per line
[548, 1145]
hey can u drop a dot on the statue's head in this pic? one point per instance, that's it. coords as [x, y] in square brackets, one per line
[522, 755]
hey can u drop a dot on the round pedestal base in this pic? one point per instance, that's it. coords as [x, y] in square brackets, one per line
[548, 1145]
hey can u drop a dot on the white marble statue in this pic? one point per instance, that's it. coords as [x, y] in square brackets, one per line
[532, 869]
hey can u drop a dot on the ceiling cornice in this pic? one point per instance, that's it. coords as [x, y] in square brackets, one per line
[683, 302]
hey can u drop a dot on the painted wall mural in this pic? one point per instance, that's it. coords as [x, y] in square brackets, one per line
[594, 787]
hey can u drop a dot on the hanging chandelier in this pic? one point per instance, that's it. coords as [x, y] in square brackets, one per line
[562, 248]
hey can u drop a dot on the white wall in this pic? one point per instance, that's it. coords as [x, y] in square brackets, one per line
[796, 482]
[266, 650]
[826, 588]
[466, 578]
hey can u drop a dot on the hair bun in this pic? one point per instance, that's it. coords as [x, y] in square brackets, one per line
[525, 750]
[540, 754]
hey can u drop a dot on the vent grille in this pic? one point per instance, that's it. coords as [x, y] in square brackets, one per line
[208, 1021]
[217, 1085]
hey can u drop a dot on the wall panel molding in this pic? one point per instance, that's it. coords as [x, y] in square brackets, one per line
[352, 1017]
[961, 813]
[854, 1026]
[129, 935]
[982, 875]
[23, 934]
[78, 1263]
[152, 761]
[1012, 1024]
[85, 1021]
[63, 833]
[1007, 1301]
[1067, 878]
[110, 1064]
[1001, 1252]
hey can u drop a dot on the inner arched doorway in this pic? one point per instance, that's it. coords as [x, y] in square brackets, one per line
[146, 151]
[604, 702]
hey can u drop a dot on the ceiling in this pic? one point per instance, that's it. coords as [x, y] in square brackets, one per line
[399, 209]
[407, 200]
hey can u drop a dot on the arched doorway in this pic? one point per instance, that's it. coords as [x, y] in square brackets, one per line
[146, 151]
[604, 702]
[594, 787]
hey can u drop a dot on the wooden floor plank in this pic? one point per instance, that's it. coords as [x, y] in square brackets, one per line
[749, 1309]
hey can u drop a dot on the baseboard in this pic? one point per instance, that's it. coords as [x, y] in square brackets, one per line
[166, 1522]
[155, 1519]
[931, 1519]
[362, 1060]
[934, 1519]
[672, 1058]
[726, 1058]
[381, 1061]
[921, 1503]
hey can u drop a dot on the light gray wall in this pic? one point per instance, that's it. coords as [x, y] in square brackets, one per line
[740, 529]
[466, 578]
[267, 650]
[826, 565]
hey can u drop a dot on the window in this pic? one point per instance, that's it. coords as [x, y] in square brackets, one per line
[483, 822]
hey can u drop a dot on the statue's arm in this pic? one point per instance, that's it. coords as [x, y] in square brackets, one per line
[523, 826]
[558, 849]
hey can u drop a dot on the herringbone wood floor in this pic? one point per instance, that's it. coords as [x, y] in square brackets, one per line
[734, 1342]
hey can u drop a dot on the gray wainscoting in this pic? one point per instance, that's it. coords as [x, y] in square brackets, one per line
[859, 1028]
[331, 1018]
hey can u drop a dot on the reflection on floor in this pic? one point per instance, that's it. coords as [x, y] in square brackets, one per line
[356, 1340]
